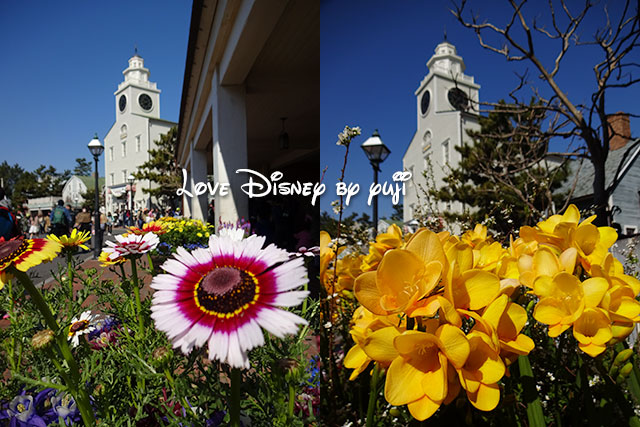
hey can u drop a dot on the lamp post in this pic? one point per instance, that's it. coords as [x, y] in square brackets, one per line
[376, 152]
[96, 149]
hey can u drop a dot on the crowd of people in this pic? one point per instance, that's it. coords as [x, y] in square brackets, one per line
[62, 219]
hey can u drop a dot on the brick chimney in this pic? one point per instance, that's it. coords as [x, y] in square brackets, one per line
[619, 130]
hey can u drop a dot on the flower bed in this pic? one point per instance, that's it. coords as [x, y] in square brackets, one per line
[206, 349]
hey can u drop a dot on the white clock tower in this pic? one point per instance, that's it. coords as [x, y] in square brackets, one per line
[446, 104]
[137, 126]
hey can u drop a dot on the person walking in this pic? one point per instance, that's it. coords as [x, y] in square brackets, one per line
[34, 226]
[83, 221]
[60, 220]
[9, 226]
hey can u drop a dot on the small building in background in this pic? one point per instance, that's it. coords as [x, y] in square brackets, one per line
[622, 178]
[76, 186]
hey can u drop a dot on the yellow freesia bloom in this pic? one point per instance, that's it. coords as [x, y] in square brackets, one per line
[391, 239]
[373, 337]
[419, 377]
[593, 331]
[481, 372]
[403, 277]
[563, 299]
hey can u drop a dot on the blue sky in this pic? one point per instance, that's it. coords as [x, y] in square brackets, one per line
[373, 56]
[62, 61]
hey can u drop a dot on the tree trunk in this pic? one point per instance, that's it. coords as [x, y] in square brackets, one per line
[600, 197]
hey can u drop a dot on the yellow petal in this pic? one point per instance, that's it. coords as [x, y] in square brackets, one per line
[367, 292]
[379, 345]
[548, 311]
[449, 312]
[486, 398]
[572, 214]
[592, 350]
[356, 359]
[397, 271]
[423, 408]
[434, 383]
[404, 383]
[494, 311]
[545, 263]
[568, 260]
[426, 245]
[592, 327]
[478, 289]
[454, 344]
[427, 307]
[594, 289]
[521, 345]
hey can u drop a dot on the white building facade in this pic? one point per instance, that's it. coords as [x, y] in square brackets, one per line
[136, 128]
[446, 104]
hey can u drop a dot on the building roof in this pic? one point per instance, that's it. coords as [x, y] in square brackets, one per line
[617, 165]
[89, 181]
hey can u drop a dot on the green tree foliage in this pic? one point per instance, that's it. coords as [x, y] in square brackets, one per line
[82, 168]
[89, 199]
[21, 185]
[162, 169]
[504, 177]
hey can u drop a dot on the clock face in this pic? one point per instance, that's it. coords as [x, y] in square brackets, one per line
[145, 102]
[458, 99]
[424, 103]
[122, 103]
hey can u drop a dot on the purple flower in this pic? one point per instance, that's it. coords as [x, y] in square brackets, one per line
[22, 412]
[64, 406]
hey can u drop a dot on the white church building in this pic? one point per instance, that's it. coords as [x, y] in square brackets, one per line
[136, 128]
[446, 107]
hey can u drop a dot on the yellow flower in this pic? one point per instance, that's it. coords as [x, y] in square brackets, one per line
[563, 299]
[419, 376]
[564, 231]
[508, 319]
[24, 254]
[593, 331]
[72, 241]
[391, 239]
[403, 277]
[373, 337]
[481, 372]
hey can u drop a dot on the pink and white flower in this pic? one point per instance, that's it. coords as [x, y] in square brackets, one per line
[131, 245]
[222, 295]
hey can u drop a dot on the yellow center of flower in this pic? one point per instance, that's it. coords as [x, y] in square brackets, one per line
[78, 326]
[11, 249]
[226, 292]
[21, 407]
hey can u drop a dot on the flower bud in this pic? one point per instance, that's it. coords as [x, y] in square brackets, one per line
[42, 339]
[622, 357]
[626, 370]
[161, 355]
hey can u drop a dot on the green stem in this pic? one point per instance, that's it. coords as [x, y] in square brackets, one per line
[534, 407]
[136, 291]
[77, 389]
[70, 274]
[150, 262]
[12, 345]
[373, 396]
[234, 404]
[292, 400]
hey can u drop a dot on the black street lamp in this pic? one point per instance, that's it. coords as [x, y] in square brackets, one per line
[96, 149]
[376, 152]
